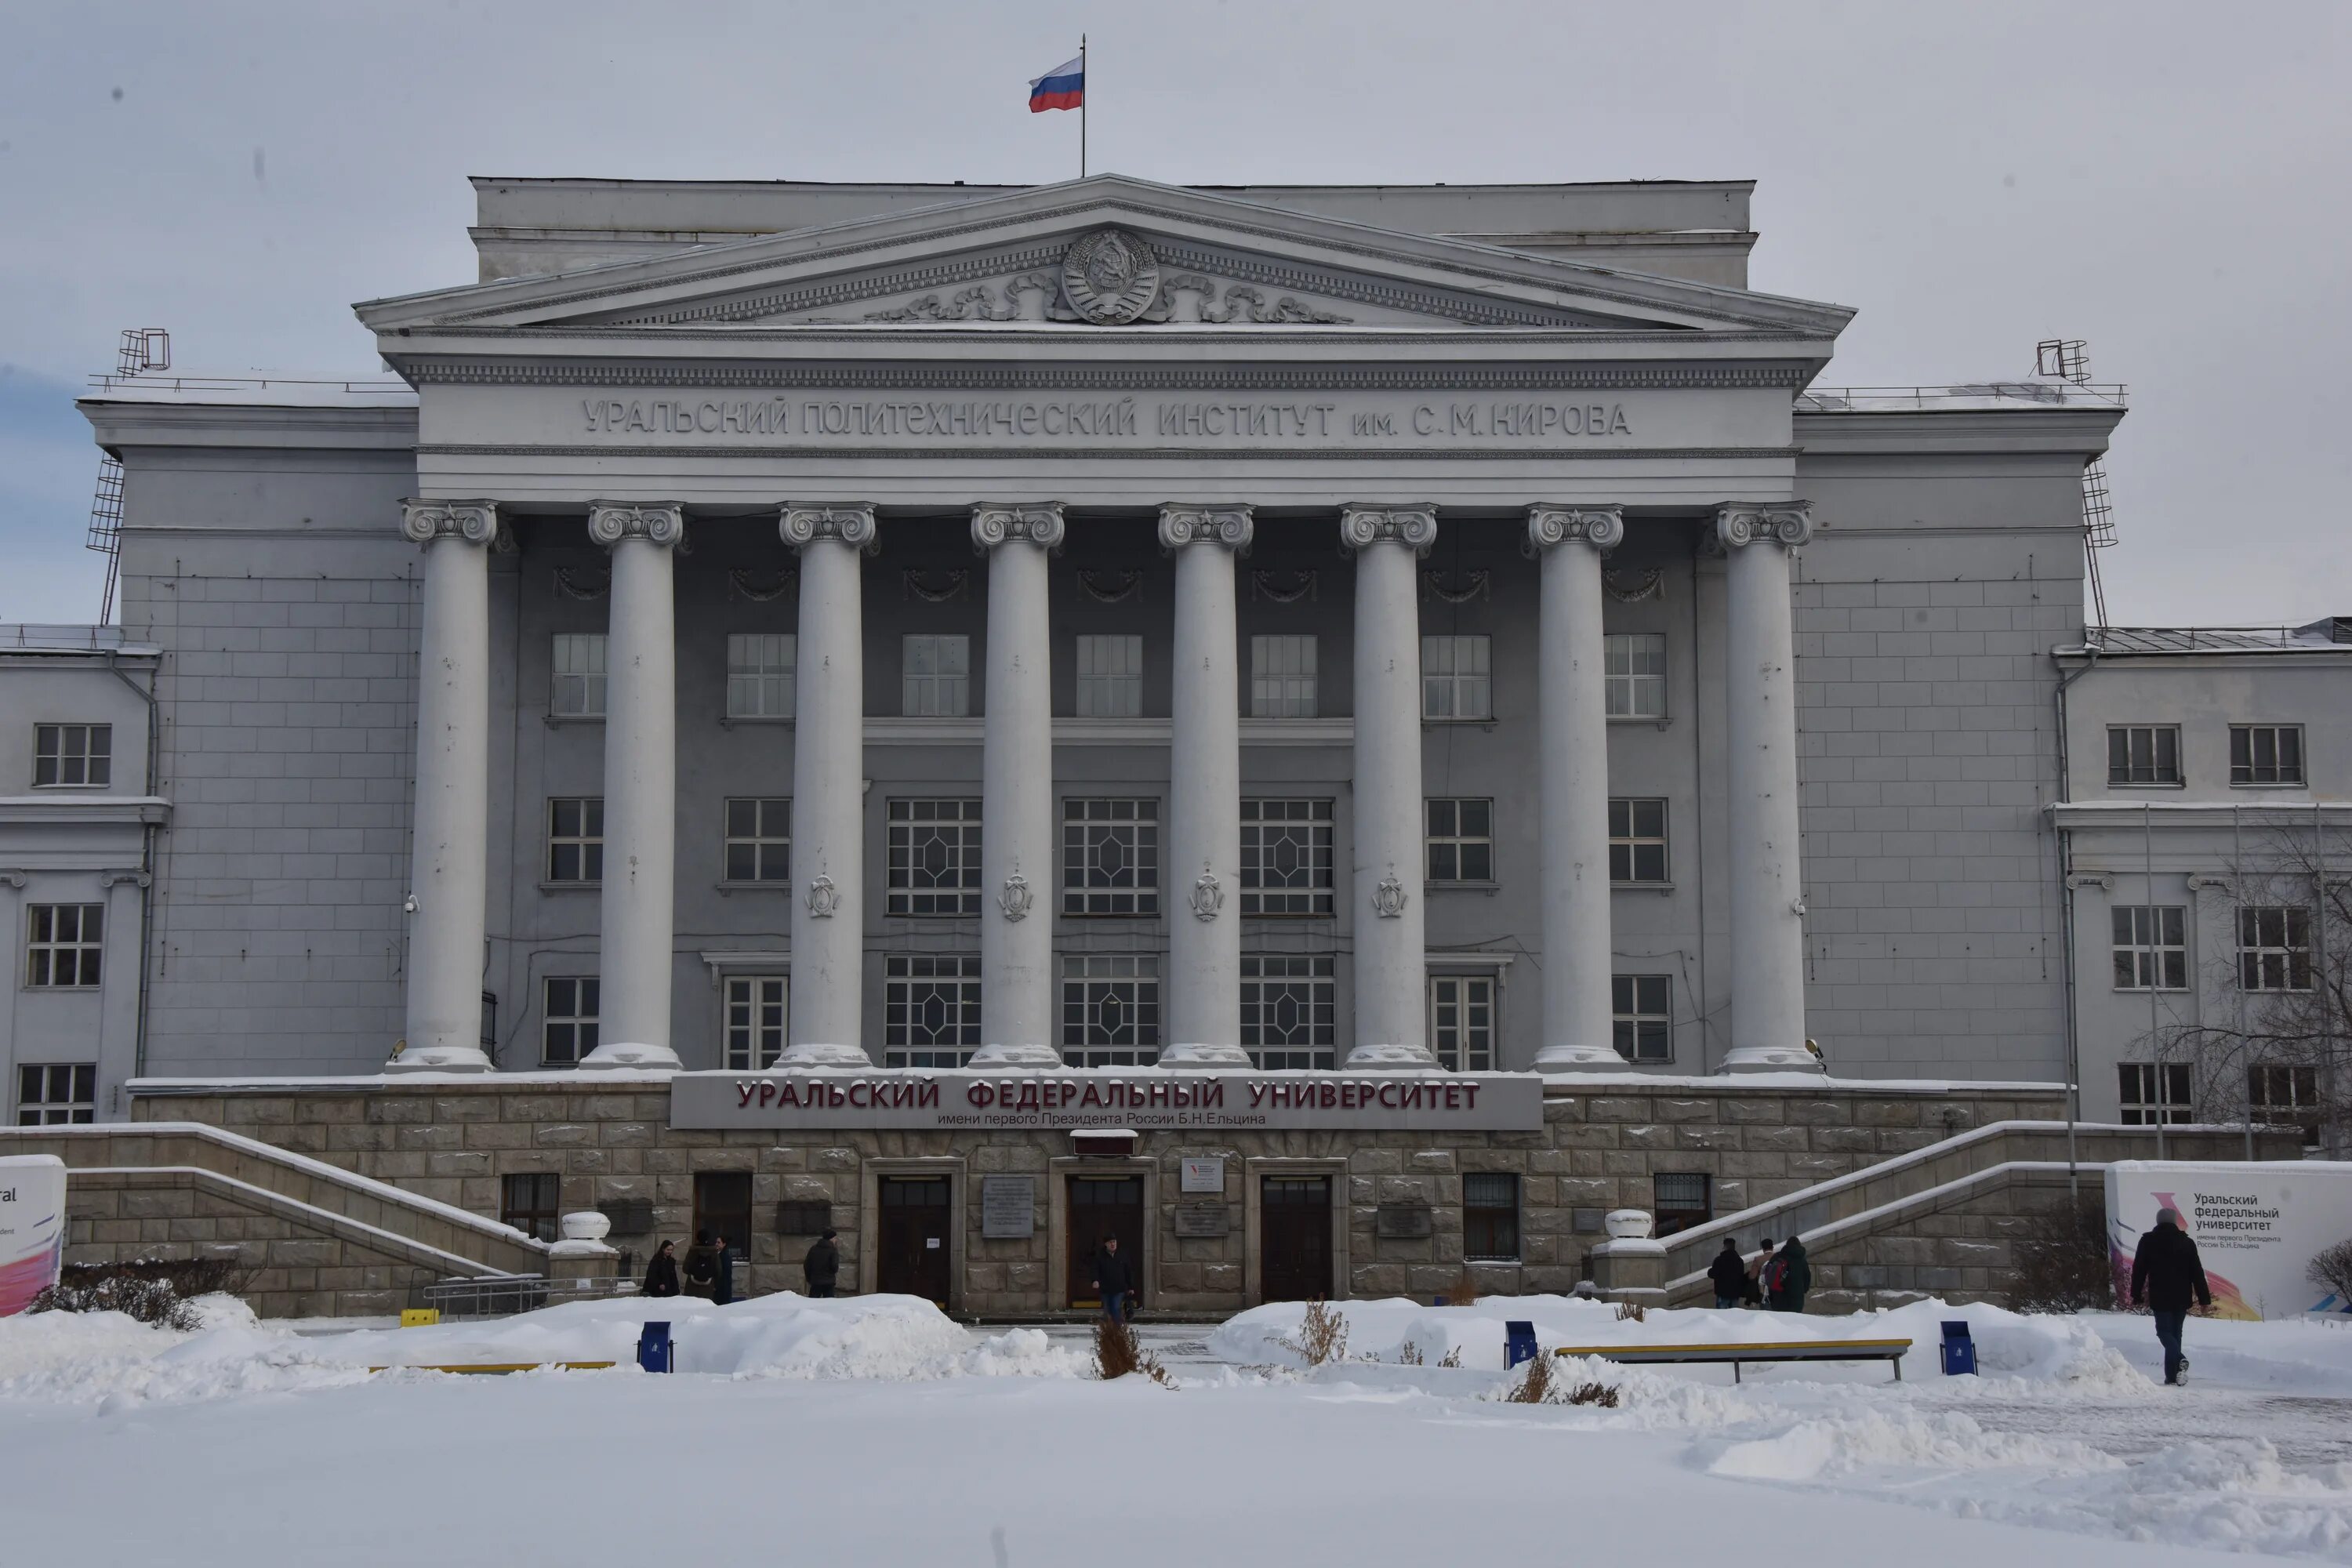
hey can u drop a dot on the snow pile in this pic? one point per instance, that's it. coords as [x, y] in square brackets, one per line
[116, 1363]
[1874, 1438]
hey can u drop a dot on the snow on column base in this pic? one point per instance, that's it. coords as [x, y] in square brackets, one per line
[616, 1054]
[1202, 1056]
[810, 1054]
[440, 1059]
[1400, 1058]
[1000, 1056]
[1770, 1058]
[1579, 1058]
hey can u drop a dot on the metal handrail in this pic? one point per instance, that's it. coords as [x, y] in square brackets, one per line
[1830, 399]
[385, 386]
[504, 1294]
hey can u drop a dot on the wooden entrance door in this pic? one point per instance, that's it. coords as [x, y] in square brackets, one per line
[1294, 1238]
[913, 1244]
[1100, 1206]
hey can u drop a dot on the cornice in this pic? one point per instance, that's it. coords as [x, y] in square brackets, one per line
[19, 810]
[1048, 454]
[1108, 378]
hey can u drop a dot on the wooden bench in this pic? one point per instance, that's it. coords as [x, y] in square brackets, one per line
[1890, 1351]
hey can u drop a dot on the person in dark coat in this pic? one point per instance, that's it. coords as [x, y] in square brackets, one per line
[661, 1274]
[1753, 1290]
[722, 1280]
[701, 1266]
[1114, 1280]
[1729, 1272]
[1793, 1276]
[822, 1266]
[2166, 1272]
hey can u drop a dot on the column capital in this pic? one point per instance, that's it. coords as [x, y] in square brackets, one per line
[474, 521]
[1361, 527]
[992, 524]
[851, 522]
[656, 522]
[1741, 523]
[1182, 525]
[1602, 527]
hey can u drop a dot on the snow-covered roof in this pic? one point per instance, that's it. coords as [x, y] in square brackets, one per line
[263, 389]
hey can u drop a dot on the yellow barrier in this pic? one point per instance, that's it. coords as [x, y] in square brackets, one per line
[419, 1317]
[504, 1366]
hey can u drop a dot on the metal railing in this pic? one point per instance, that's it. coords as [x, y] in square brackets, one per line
[1840, 399]
[59, 638]
[354, 386]
[504, 1294]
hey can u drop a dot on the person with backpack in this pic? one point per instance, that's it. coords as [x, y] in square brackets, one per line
[1729, 1272]
[822, 1266]
[1793, 1276]
[701, 1266]
[2166, 1271]
[1755, 1292]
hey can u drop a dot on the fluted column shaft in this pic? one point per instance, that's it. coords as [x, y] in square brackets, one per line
[1391, 960]
[826, 1027]
[1577, 1004]
[1016, 859]
[634, 959]
[1204, 1005]
[449, 840]
[1768, 906]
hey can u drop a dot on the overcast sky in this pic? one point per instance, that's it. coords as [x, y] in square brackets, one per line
[2169, 181]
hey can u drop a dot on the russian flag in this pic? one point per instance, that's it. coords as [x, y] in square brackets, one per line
[1064, 87]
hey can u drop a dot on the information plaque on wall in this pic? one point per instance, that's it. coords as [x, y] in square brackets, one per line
[1198, 1217]
[1205, 1173]
[1008, 1206]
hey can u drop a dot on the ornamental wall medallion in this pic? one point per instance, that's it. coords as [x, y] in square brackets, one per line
[1111, 277]
[1208, 896]
[1388, 899]
[1015, 899]
[823, 898]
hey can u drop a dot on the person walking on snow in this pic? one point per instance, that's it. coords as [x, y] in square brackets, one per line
[822, 1266]
[2166, 1272]
[1793, 1276]
[661, 1274]
[1729, 1272]
[1114, 1280]
[701, 1265]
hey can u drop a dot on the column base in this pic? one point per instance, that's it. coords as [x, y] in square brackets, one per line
[1581, 1058]
[991, 1057]
[1390, 1058]
[1197, 1057]
[441, 1059]
[1771, 1059]
[808, 1054]
[619, 1054]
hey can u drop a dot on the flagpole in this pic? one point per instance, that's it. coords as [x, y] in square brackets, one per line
[1082, 106]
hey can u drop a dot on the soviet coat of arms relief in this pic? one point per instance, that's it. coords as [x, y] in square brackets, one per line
[1109, 278]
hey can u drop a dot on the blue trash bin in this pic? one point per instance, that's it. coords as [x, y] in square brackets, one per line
[1959, 1349]
[1519, 1343]
[653, 1347]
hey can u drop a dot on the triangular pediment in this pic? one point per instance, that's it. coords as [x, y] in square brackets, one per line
[1104, 253]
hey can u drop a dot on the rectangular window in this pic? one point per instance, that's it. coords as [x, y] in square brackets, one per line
[2143, 755]
[760, 669]
[1462, 1021]
[568, 1031]
[1110, 856]
[1288, 1011]
[1461, 840]
[756, 1006]
[2151, 947]
[1287, 857]
[62, 944]
[1110, 1010]
[937, 680]
[2138, 1082]
[759, 839]
[55, 1095]
[72, 756]
[532, 1202]
[1457, 677]
[2282, 1094]
[575, 838]
[1637, 840]
[1490, 1217]
[1681, 1200]
[2274, 949]
[1110, 676]
[934, 855]
[1634, 675]
[578, 691]
[930, 1009]
[1641, 1017]
[2265, 753]
[1282, 678]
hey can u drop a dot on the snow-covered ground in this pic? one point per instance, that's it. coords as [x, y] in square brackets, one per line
[874, 1430]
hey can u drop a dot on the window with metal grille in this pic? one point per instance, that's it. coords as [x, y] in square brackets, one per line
[578, 690]
[2274, 948]
[1681, 1199]
[1282, 678]
[1634, 675]
[1110, 856]
[72, 756]
[1637, 840]
[1110, 1009]
[1490, 1217]
[933, 848]
[2265, 754]
[1462, 1021]
[760, 669]
[936, 681]
[2286, 1094]
[759, 839]
[1288, 1011]
[532, 1202]
[62, 945]
[2143, 753]
[1110, 676]
[1461, 840]
[56, 1094]
[2138, 1083]
[1641, 1017]
[575, 838]
[568, 1024]
[756, 1008]
[930, 1009]
[2151, 947]
[1457, 677]
[1287, 857]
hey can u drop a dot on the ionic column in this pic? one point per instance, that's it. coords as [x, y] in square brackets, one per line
[1203, 988]
[1391, 1023]
[1767, 902]
[1016, 858]
[829, 788]
[640, 786]
[449, 840]
[1577, 1006]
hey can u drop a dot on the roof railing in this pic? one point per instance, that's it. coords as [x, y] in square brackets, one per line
[1836, 399]
[356, 386]
[33, 636]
